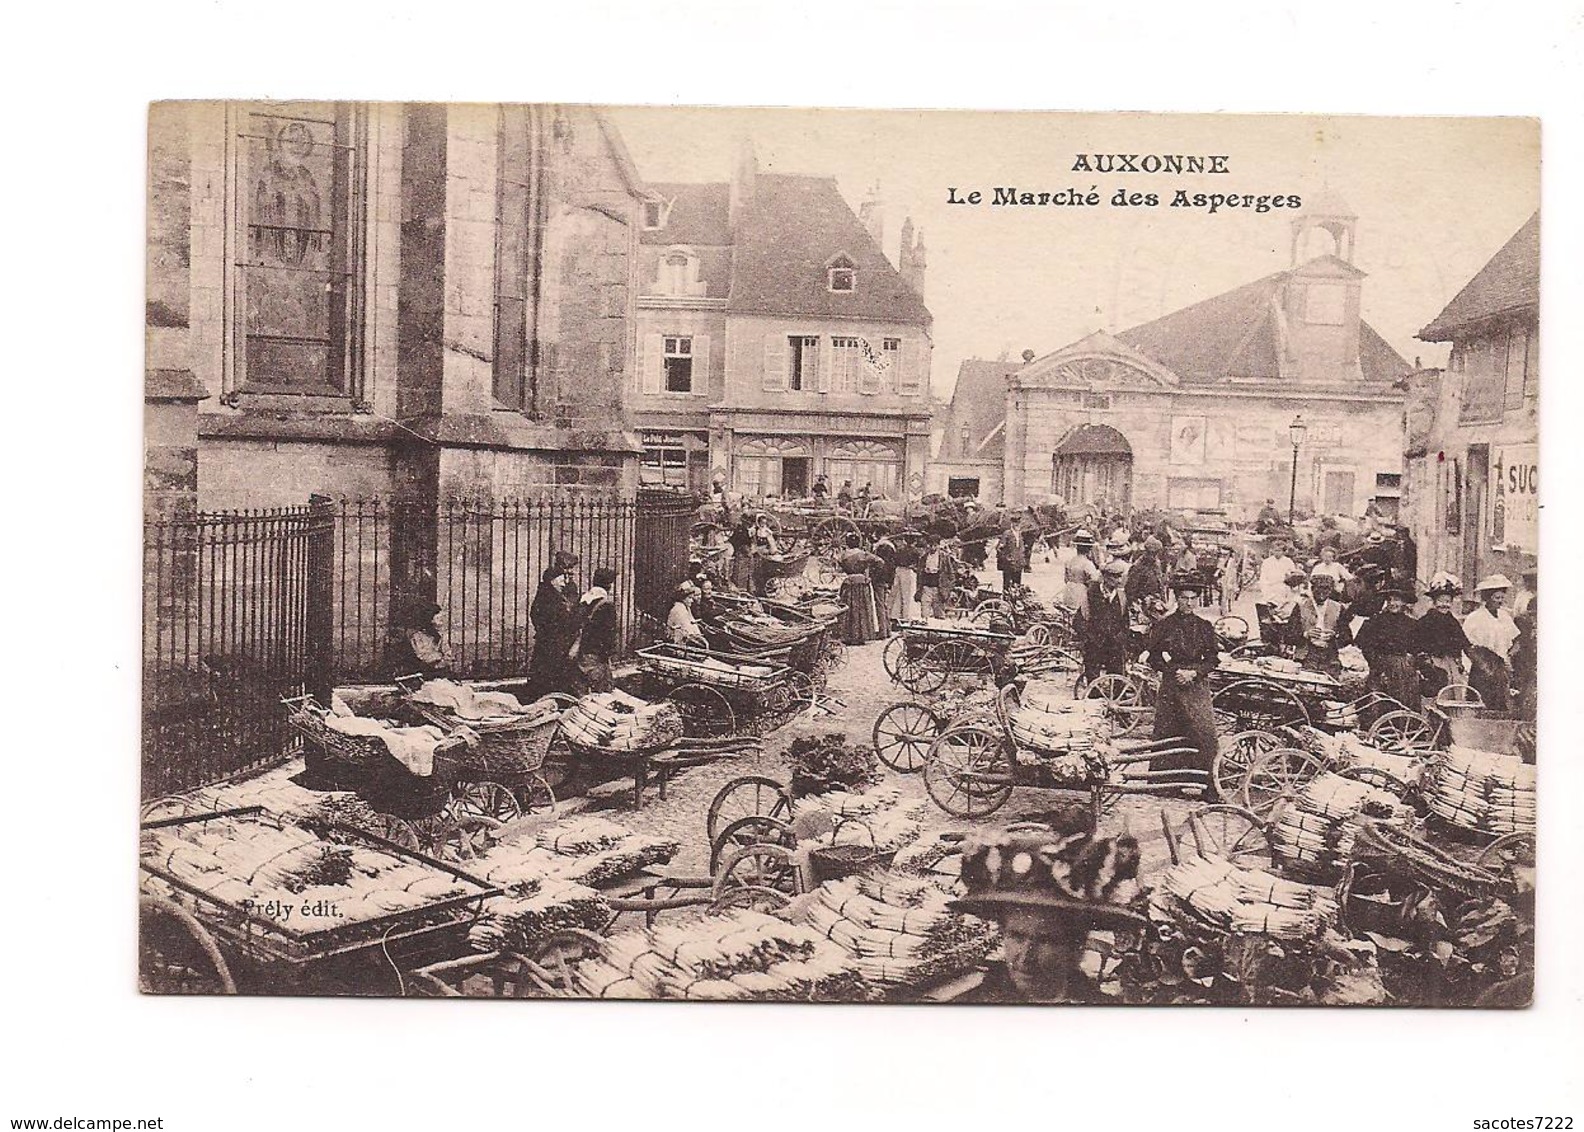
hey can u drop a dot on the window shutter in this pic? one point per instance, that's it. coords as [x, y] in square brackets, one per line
[775, 362]
[827, 362]
[911, 375]
[651, 365]
[701, 361]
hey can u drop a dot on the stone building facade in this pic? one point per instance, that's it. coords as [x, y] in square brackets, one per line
[1473, 458]
[414, 302]
[776, 342]
[1192, 411]
[971, 448]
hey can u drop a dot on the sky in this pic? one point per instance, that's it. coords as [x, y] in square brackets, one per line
[1435, 198]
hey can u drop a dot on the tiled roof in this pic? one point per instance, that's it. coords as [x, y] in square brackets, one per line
[788, 233]
[1510, 281]
[699, 214]
[1238, 334]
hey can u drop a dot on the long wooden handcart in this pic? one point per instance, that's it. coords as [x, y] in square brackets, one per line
[720, 693]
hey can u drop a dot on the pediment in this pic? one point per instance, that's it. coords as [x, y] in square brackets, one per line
[1098, 362]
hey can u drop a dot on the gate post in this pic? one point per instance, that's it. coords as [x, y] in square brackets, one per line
[319, 618]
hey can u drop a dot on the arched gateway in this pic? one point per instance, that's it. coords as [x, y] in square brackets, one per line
[1093, 464]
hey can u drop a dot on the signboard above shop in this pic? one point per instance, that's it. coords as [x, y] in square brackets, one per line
[1515, 495]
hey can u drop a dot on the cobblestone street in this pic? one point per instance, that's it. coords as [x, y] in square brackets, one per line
[859, 691]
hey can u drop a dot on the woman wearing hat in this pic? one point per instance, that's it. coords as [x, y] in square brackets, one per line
[1080, 573]
[554, 625]
[682, 626]
[1182, 647]
[595, 644]
[422, 647]
[1491, 633]
[1388, 641]
[1442, 641]
[1048, 890]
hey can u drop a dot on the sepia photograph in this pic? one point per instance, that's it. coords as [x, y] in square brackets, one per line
[840, 556]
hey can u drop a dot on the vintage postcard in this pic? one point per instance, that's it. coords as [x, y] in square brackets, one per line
[839, 556]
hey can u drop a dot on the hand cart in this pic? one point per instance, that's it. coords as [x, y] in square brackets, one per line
[926, 654]
[717, 692]
[213, 936]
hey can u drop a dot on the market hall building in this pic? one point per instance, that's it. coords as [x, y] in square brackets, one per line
[1193, 411]
[777, 342]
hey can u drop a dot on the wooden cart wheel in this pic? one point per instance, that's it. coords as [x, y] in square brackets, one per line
[1511, 857]
[1256, 705]
[752, 795]
[553, 963]
[1234, 755]
[535, 795]
[903, 733]
[927, 673]
[801, 695]
[398, 832]
[990, 609]
[1276, 776]
[757, 866]
[746, 831]
[754, 897]
[893, 658]
[460, 835]
[835, 651]
[1124, 702]
[1230, 832]
[1404, 732]
[1038, 633]
[830, 535]
[490, 800]
[968, 772]
[176, 953]
[706, 712]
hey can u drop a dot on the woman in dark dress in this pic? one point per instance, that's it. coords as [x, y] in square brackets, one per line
[1388, 641]
[882, 577]
[1442, 641]
[861, 623]
[553, 626]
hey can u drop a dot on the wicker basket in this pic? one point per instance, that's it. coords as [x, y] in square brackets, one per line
[508, 749]
[344, 757]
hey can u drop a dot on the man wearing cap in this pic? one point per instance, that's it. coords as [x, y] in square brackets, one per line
[1102, 624]
[1010, 558]
[1376, 552]
[1269, 518]
[1048, 890]
[1182, 647]
[1388, 641]
[1144, 575]
[1492, 629]
[1080, 571]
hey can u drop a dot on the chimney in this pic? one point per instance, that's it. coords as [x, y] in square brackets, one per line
[871, 215]
[911, 260]
[742, 182]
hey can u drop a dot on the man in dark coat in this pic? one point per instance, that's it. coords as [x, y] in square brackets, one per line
[1182, 648]
[1102, 625]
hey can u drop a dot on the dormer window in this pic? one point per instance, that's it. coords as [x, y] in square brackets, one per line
[842, 275]
[653, 215]
[674, 274]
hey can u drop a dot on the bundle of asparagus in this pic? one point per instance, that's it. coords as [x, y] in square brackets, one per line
[741, 956]
[1483, 791]
[875, 818]
[615, 721]
[581, 836]
[255, 864]
[1217, 892]
[762, 631]
[1317, 833]
[1058, 728]
[534, 911]
[899, 930]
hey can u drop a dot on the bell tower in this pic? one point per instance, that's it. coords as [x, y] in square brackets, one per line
[1328, 214]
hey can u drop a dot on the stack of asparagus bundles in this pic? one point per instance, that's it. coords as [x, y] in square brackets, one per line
[550, 882]
[1213, 891]
[877, 817]
[899, 929]
[1061, 737]
[615, 721]
[272, 789]
[744, 955]
[1483, 791]
[255, 863]
[1316, 834]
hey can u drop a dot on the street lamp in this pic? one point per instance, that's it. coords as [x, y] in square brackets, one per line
[1295, 430]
